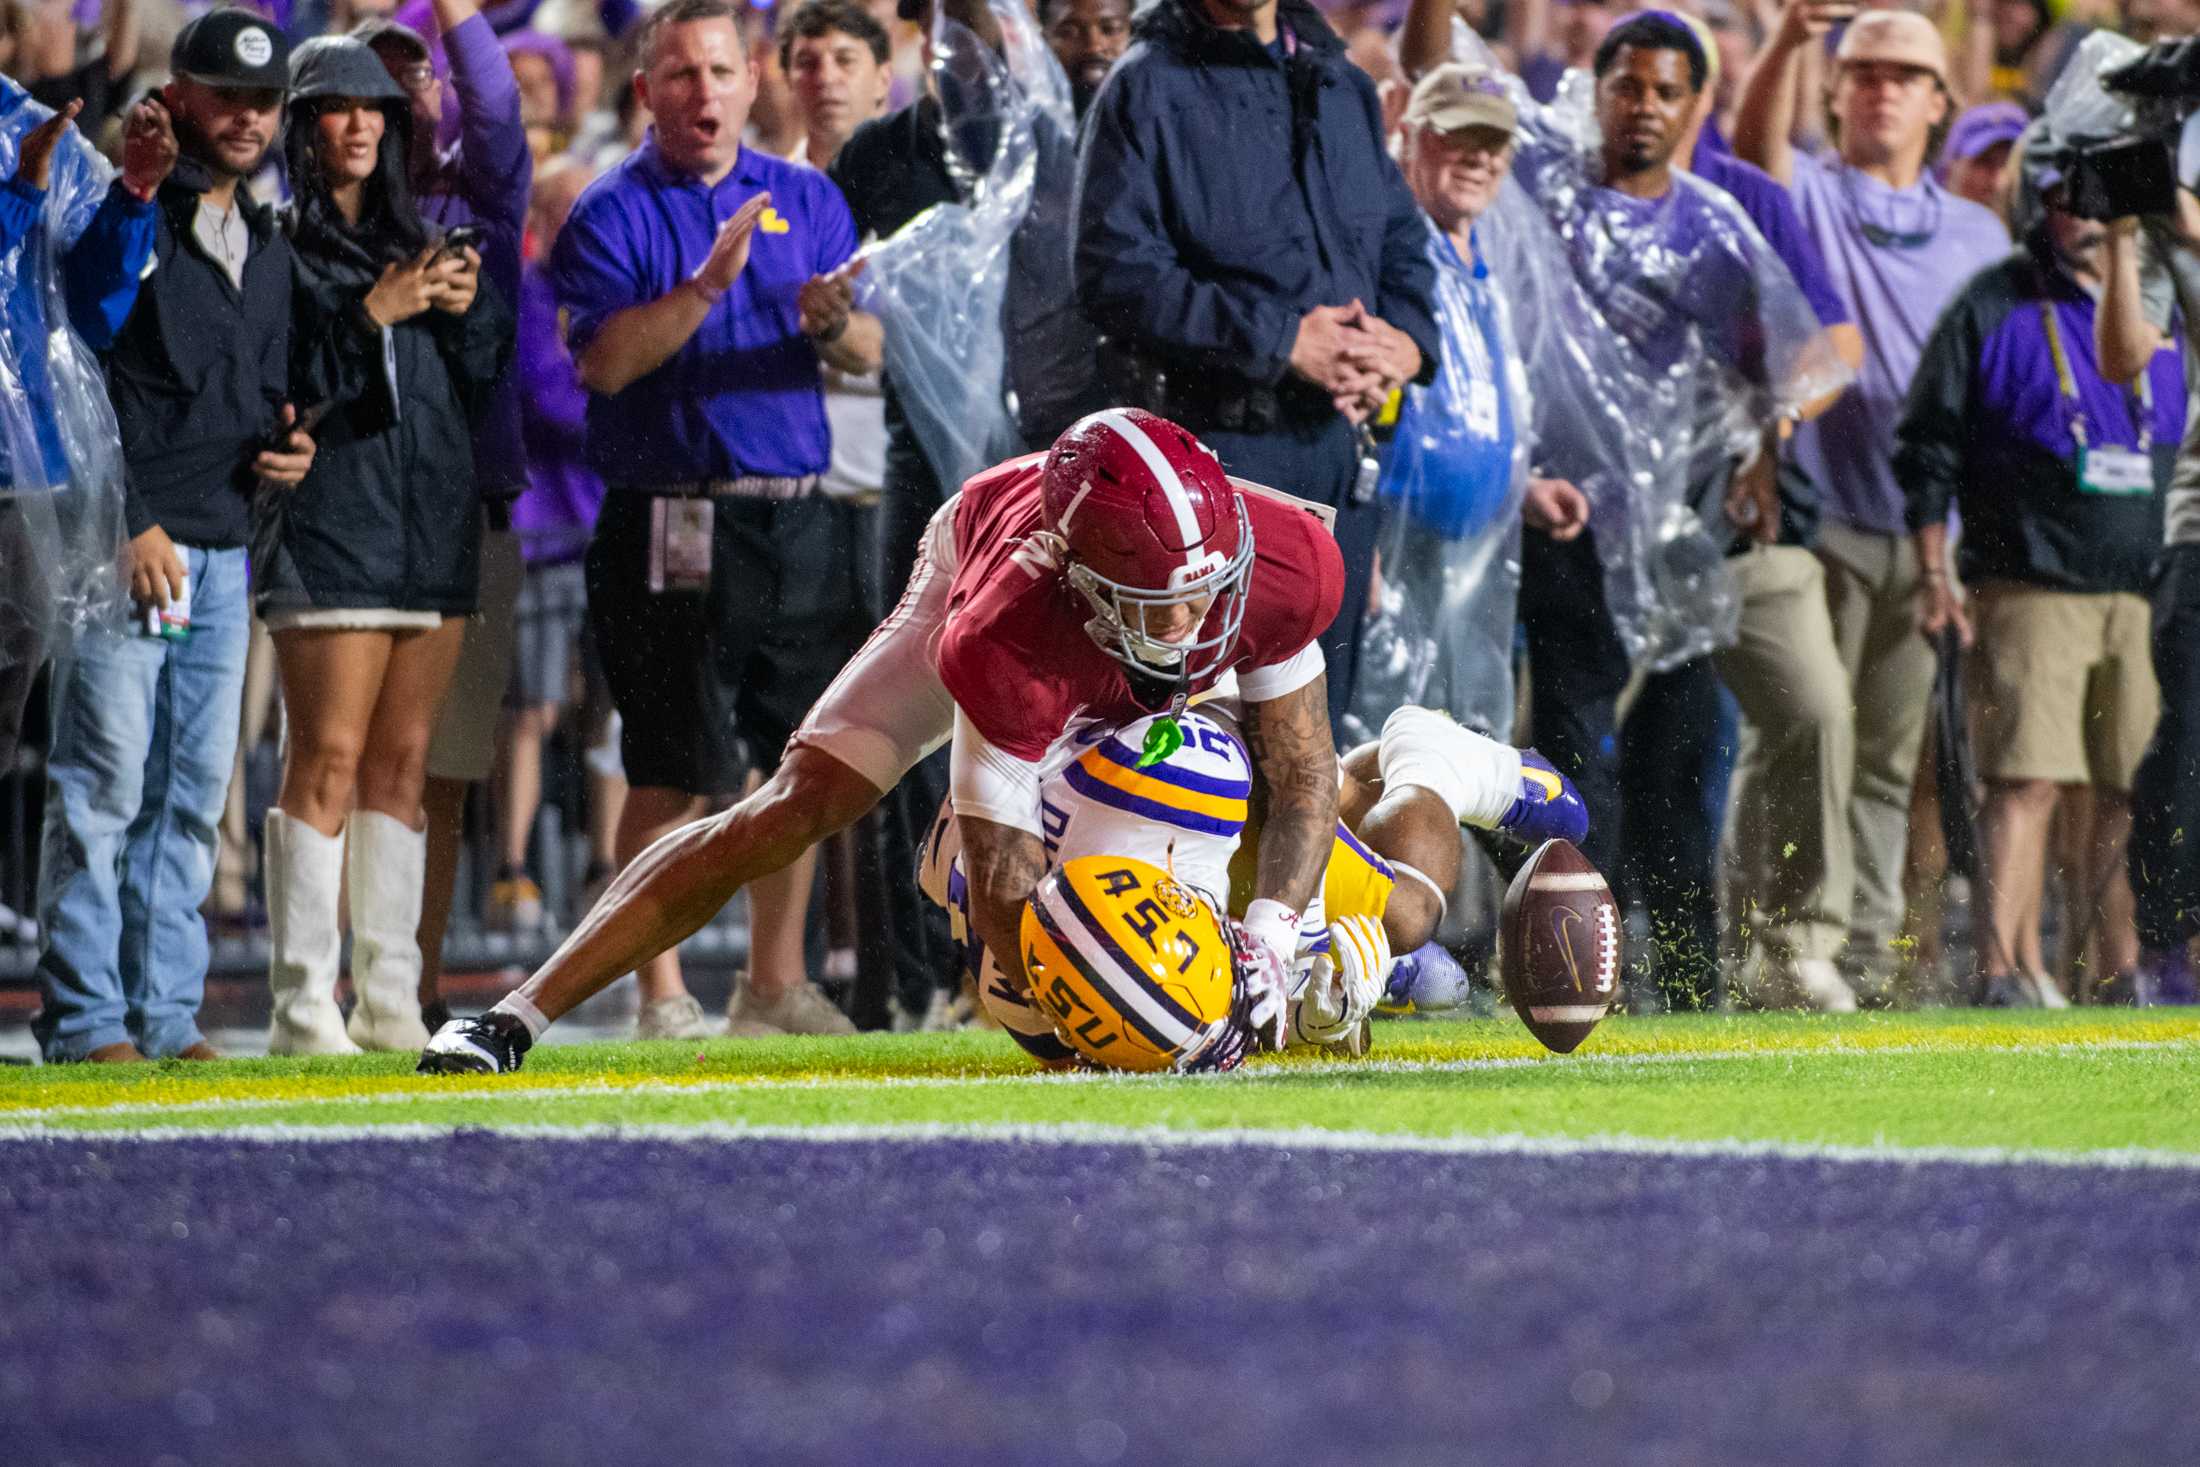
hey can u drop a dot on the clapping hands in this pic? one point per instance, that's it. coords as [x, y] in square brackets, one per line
[827, 300]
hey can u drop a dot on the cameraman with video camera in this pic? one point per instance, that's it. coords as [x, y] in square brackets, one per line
[2057, 473]
[2150, 291]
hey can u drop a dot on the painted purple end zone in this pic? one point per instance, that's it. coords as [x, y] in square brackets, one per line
[489, 1300]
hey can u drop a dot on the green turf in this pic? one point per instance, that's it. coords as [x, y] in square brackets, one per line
[2086, 1081]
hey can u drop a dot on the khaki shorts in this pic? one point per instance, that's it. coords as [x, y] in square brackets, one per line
[464, 746]
[2061, 684]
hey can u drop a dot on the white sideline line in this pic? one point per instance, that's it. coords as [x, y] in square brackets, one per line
[19, 1120]
[1156, 1139]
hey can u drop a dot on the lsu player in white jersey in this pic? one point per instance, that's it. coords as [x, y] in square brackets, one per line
[1128, 939]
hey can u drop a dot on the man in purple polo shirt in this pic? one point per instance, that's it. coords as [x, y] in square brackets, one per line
[1900, 246]
[703, 284]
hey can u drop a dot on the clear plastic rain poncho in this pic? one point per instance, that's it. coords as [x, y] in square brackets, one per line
[940, 283]
[2079, 109]
[61, 517]
[1441, 634]
[1662, 336]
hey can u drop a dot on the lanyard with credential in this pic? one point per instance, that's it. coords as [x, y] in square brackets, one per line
[2069, 386]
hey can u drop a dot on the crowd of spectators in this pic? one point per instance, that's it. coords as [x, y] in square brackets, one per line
[489, 383]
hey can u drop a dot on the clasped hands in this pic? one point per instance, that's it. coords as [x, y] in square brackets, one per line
[1355, 356]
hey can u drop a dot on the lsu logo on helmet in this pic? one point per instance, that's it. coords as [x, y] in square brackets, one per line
[1133, 967]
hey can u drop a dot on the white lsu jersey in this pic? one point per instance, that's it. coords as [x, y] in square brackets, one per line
[1184, 811]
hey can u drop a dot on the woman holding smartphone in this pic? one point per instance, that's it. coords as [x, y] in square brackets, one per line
[366, 571]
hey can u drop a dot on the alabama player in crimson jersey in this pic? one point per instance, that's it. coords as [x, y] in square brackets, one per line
[1117, 575]
[1175, 577]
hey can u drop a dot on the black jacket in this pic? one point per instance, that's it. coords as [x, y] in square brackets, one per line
[1986, 427]
[389, 517]
[1222, 194]
[200, 370]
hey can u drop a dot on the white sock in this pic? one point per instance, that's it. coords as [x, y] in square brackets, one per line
[1477, 778]
[524, 1011]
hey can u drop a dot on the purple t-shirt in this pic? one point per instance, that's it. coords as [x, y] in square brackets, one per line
[1897, 258]
[485, 180]
[1671, 267]
[1773, 212]
[556, 513]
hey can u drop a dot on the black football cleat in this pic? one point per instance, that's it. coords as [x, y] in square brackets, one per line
[493, 1044]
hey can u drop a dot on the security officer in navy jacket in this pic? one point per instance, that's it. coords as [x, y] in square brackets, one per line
[1253, 258]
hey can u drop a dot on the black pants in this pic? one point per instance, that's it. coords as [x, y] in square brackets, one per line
[904, 948]
[1673, 770]
[2165, 798]
[1655, 794]
[1578, 670]
[1319, 461]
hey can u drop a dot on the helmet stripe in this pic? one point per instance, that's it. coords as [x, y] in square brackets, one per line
[1172, 487]
[1144, 1001]
[1093, 969]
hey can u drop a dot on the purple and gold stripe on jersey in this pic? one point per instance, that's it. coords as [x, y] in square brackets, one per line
[1345, 835]
[1108, 774]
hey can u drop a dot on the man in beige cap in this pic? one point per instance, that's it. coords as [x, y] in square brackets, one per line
[1449, 562]
[1459, 127]
[1899, 246]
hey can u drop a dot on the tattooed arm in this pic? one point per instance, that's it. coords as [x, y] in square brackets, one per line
[1294, 790]
[997, 811]
[1003, 866]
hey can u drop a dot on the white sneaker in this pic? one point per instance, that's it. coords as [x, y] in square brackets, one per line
[2049, 992]
[802, 1009]
[679, 1017]
[1820, 985]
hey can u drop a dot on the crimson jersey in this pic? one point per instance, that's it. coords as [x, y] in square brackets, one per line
[1015, 655]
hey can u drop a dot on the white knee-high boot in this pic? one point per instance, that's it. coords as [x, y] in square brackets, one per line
[304, 872]
[387, 868]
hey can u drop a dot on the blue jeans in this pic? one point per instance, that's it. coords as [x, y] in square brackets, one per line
[144, 733]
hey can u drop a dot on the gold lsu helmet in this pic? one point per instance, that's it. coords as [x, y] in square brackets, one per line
[1135, 969]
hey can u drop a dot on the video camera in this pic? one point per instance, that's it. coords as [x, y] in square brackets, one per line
[2139, 171]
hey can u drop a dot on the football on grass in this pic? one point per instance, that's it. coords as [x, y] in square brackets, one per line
[1558, 949]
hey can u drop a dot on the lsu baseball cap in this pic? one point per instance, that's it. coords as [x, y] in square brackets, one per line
[231, 48]
[1897, 38]
[1456, 95]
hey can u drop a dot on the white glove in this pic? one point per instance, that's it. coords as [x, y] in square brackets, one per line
[1345, 982]
[1265, 941]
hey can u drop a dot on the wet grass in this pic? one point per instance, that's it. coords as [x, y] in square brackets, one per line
[2086, 1081]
